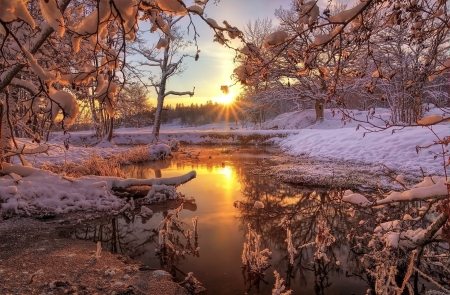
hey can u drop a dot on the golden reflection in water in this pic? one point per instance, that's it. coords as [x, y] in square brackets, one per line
[226, 171]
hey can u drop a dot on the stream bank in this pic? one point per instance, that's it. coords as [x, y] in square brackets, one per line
[37, 256]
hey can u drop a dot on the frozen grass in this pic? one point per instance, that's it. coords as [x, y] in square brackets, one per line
[97, 165]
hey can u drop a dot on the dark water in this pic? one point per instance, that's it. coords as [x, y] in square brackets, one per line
[221, 180]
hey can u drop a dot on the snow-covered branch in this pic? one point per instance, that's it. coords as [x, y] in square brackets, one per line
[190, 93]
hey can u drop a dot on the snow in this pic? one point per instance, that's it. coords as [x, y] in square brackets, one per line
[242, 72]
[159, 152]
[37, 69]
[196, 9]
[418, 192]
[275, 38]
[333, 140]
[162, 43]
[145, 212]
[41, 190]
[431, 119]
[104, 143]
[43, 148]
[355, 198]
[212, 23]
[309, 13]
[52, 15]
[400, 179]
[322, 39]
[62, 100]
[172, 7]
[346, 15]
[44, 191]
[12, 10]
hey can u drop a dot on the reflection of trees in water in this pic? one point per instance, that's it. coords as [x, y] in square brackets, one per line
[128, 237]
[301, 211]
[367, 253]
[119, 235]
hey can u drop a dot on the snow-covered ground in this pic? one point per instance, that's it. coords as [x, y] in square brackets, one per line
[332, 139]
[58, 154]
[220, 133]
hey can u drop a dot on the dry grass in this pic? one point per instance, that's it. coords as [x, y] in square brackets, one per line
[97, 165]
[138, 154]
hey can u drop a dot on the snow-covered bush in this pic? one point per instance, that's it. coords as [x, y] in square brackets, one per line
[159, 152]
[174, 145]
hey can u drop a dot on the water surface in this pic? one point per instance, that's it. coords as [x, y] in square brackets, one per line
[223, 177]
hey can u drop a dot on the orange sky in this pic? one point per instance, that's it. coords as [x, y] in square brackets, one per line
[215, 65]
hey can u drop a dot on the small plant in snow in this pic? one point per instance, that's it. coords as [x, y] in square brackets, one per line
[279, 288]
[169, 245]
[253, 257]
[174, 145]
[145, 212]
[192, 284]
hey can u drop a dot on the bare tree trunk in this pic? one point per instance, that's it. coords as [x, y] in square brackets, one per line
[158, 111]
[1, 138]
[319, 110]
[6, 143]
[111, 126]
[97, 124]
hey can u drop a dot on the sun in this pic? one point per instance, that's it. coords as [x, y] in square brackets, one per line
[225, 98]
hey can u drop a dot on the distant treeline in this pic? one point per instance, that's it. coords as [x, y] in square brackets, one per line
[199, 114]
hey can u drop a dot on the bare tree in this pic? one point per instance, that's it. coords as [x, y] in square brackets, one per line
[165, 55]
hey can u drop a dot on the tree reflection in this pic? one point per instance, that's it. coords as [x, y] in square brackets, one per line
[360, 237]
[134, 237]
[300, 210]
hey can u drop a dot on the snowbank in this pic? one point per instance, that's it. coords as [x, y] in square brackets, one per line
[394, 150]
[43, 191]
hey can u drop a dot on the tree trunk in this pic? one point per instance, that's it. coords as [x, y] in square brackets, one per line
[1, 138]
[6, 143]
[111, 126]
[158, 112]
[319, 110]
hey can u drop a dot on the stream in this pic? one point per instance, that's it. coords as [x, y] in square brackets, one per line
[223, 177]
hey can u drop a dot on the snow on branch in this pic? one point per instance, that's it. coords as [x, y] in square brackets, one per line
[25, 85]
[28, 151]
[46, 32]
[435, 187]
[190, 93]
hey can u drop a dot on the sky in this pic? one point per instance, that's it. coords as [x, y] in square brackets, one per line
[215, 65]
